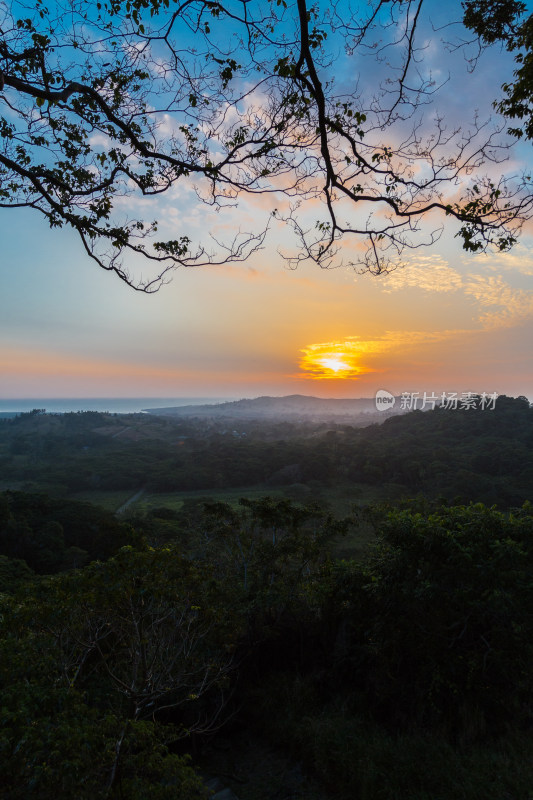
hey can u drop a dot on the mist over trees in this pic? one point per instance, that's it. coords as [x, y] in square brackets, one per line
[473, 454]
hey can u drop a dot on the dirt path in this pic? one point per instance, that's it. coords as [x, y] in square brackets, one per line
[121, 431]
[130, 500]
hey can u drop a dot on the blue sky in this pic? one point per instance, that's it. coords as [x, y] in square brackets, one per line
[447, 321]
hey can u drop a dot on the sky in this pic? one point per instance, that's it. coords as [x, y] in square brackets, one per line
[447, 321]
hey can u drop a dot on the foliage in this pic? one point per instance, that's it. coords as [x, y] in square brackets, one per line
[460, 455]
[52, 535]
[150, 625]
[93, 657]
[503, 21]
[355, 757]
[450, 639]
[136, 99]
[13, 573]
[414, 678]
[267, 545]
[420, 655]
[53, 744]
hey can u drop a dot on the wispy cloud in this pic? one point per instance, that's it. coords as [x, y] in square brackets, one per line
[508, 305]
[431, 273]
[519, 259]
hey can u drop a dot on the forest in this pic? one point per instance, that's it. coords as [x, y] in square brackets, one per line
[287, 609]
[298, 607]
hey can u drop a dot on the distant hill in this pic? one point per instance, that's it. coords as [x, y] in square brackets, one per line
[293, 407]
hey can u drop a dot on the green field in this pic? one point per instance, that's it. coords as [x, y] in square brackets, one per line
[110, 500]
[339, 499]
[174, 500]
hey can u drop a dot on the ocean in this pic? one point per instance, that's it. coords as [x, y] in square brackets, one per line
[114, 405]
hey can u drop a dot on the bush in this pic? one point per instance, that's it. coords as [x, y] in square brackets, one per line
[451, 637]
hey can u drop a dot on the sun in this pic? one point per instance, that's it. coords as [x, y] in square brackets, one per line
[336, 364]
[332, 360]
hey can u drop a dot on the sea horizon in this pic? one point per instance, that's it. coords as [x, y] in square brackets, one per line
[113, 405]
[125, 405]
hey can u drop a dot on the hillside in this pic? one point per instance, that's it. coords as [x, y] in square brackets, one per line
[479, 455]
[293, 407]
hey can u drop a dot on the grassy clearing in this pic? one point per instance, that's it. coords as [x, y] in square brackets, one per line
[110, 500]
[12, 486]
[340, 499]
[174, 500]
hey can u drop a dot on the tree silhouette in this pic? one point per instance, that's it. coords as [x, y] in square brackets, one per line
[106, 105]
[503, 21]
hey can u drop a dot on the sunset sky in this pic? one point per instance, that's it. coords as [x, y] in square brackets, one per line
[448, 321]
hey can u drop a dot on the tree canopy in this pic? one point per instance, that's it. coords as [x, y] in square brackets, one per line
[503, 21]
[106, 105]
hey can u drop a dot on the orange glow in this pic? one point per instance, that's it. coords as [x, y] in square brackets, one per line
[336, 364]
[358, 359]
[333, 360]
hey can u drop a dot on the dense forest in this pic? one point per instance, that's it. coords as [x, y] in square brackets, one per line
[464, 455]
[145, 651]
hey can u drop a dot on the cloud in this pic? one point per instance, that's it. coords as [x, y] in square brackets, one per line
[508, 305]
[430, 273]
[519, 259]
[352, 357]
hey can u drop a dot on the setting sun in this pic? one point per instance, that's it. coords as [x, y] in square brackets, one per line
[332, 360]
[336, 364]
